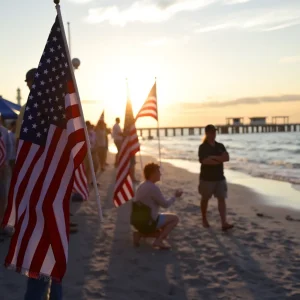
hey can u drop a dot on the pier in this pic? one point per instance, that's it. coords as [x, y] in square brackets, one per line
[257, 125]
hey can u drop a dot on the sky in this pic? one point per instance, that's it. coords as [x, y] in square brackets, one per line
[212, 58]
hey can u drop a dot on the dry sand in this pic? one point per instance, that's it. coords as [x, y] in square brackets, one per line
[257, 260]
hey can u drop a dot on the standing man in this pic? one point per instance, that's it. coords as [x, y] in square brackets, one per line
[36, 288]
[29, 80]
[212, 156]
[117, 135]
[12, 134]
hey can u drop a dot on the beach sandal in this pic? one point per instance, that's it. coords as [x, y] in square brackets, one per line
[227, 227]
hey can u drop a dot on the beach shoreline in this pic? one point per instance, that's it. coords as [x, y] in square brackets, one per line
[271, 192]
[258, 259]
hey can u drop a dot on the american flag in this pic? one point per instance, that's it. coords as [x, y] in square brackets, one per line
[52, 146]
[124, 186]
[80, 182]
[2, 150]
[149, 108]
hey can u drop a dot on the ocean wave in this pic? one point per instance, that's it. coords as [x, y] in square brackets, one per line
[268, 175]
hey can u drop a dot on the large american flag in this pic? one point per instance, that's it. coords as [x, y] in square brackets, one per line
[149, 108]
[124, 190]
[2, 150]
[52, 146]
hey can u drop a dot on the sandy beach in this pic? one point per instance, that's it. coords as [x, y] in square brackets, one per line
[259, 259]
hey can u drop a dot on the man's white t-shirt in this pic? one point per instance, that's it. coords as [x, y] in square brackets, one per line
[116, 132]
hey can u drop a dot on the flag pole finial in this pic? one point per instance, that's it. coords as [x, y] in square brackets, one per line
[56, 1]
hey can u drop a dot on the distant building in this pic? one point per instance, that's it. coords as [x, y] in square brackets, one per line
[258, 121]
[234, 121]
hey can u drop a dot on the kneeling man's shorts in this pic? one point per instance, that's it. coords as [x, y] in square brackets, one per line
[218, 189]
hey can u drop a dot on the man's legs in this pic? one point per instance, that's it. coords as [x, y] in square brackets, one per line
[37, 289]
[205, 189]
[204, 205]
[221, 194]
[170, 223]
[222, 210]
[56, 292]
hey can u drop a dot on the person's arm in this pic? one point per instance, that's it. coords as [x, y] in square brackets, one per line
[204, 158]
[160, 199]
[211, 160]
[224, 157]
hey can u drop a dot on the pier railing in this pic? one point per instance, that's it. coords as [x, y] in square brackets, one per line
[222, 129]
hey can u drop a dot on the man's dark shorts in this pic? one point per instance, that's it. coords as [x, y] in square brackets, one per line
[218, 189]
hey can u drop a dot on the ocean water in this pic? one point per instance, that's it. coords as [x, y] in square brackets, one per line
[268, 155]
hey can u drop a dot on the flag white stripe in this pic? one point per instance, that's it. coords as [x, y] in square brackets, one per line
[58, 206]
[74, 124]
[125, 188]
[151, 98]
[71, 99]
[121, 198]
[48, 262]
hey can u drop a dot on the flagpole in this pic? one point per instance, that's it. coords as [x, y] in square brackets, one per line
[81, 111]
[158, 133]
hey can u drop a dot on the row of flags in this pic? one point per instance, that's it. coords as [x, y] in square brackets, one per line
[49, 164]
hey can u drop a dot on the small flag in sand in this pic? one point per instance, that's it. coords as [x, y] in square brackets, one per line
[102, 116]
[52, 146]
[124, 186]
[149, 108]
[80, 182]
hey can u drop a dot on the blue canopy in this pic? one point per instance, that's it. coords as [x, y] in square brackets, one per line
[8, 109]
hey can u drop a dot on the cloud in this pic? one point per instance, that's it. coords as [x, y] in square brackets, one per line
[147, 11]
[257, 21]
[290, 59]
[244, 101]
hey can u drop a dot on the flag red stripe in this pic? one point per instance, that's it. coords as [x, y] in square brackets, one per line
[72, 112]
[18, 166]
[14, 240]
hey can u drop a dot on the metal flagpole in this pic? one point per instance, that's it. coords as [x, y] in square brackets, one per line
[69, 38]
[81, 111]
[158, 132]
